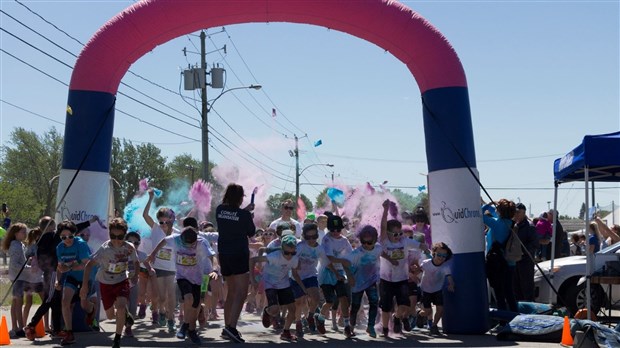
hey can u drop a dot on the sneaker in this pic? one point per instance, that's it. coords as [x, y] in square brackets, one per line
[386, 332]
[20, 333]
[311, 324]
[497, 328]
[286, 335]
[406, 324]
[142, 312]
[299, 329]
[266, 318]
[89, 317]
[117, 342]
[182, 331]
[95, 325]
[435, 330]
[371, 332]
[128, 332]
[232, 334]
[334, 325]
[162, 319]
[320, 323]
[171, 327]
[348, 332]
[193, 336]
[397, 325]
[68, 339]
[420, 320]
[30, 333]
[128, 318]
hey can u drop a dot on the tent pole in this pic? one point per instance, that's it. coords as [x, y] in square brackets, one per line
[554, 222]
[588, 254]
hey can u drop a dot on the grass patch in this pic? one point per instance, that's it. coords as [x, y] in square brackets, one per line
[4, 287]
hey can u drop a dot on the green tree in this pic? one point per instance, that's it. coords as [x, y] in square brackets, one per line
[21, 201]
[322, 200]
[30, 163]
[185, 166]
[273, 202]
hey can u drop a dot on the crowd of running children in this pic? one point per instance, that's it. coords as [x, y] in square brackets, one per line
[289, 273]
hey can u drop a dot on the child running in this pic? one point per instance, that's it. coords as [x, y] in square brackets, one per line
[113, 258]
[277, 283]
[394, 273]
[434, 273]
[365, 271]
[190, 254]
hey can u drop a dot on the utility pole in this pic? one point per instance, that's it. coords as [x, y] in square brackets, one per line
[205, 111]
[296, 169]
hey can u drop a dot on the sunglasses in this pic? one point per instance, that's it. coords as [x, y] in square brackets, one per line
[117, 236]
[288, 208]
[336, 231]
[67, 237]
[134, 242]
[396, 234]
[441, 255]
[292, 253]
[165, 222]
[312, 237]
[367, 242]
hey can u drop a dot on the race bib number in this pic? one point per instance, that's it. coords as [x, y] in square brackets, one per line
[119, 267]
[397, 254]
[165, 254]
[187, 260]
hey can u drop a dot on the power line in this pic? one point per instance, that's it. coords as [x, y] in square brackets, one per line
[31, 112]
[376, 159]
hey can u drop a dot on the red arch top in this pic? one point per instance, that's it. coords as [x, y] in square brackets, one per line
[388, 24]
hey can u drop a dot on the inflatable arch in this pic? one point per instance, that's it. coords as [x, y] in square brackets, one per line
[454, 193]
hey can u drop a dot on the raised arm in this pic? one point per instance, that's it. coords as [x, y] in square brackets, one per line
[145, 214]
[606, 231]
[386, 206]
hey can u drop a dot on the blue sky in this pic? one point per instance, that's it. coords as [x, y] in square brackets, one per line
[541, 75]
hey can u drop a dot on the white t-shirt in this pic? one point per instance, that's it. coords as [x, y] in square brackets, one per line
[276, 270]
[433, 277]
[114, 262]
[189, 260]
[365, 266]
[398, 251]
[298, 225]
[336, 247]
[164, 260]
[308, 259]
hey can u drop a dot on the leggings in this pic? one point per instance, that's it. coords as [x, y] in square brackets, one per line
[52, 302]
[373, 301]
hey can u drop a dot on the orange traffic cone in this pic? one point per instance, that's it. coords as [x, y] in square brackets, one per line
[39, 330]
[567, 339]
[4, 333]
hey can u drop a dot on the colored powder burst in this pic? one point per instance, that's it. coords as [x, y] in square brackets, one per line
[133, 215]
[336, 195]
[143, 185]
[301, 210]
[200, 194]
[370, 189]
[393, 209]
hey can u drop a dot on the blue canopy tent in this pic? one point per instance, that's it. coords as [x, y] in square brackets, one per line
[597, 158]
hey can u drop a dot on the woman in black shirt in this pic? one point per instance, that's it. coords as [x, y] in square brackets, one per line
[234, 225]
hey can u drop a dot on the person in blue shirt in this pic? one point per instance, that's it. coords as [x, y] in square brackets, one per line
[500, 226]
[594, 243]
[73, 253]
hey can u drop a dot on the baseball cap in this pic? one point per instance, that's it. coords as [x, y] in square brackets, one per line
[287, 233]
[520, 206]
[189, 235]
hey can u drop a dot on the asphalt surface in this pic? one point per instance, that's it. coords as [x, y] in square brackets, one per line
[147, 335]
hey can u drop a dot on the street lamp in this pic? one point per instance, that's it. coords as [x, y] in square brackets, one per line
[299, 173]
[206, 108]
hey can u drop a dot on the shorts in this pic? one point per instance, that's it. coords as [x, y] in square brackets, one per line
[432, 297]
[164, 273]
[414, 289]
[311, 282]
[18, 288]
[280, 297]
[234, 264]
[334, 292]
[33, 287]
[389, 290]
[72, 283]
[187, 287]
[110, 292]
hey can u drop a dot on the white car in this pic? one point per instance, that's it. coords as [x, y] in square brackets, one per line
[566, 274]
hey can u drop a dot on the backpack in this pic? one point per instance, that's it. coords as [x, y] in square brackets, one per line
[513, 251]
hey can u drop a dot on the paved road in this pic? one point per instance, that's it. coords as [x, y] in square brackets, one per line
[256, 335]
